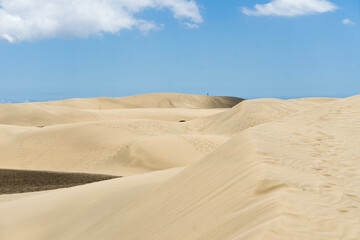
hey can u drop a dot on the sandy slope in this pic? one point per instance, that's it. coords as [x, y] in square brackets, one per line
[290, 170]
[109, 147]
[249, 114]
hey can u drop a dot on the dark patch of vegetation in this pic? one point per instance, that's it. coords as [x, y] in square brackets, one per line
[182, 121]
[19, 181]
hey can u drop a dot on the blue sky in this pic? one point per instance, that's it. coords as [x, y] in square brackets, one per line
[218, 50]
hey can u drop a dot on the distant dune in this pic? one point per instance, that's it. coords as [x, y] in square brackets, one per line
[196, 167]
[151, 100]
[169, 105]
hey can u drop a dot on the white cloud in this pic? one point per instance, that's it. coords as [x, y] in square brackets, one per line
[290, 8]
[347, 21]
[38, 19]
[191, 25]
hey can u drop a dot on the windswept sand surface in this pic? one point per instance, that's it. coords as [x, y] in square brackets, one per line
[254, 169]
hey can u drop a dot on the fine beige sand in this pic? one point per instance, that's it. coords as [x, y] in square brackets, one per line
[253, 169]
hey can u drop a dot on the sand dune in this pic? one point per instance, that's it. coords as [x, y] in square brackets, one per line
[249, 114]
[102, 136]
[264, 169]
[34, 115]
[109, 147]
[152, 100]
[168, 106]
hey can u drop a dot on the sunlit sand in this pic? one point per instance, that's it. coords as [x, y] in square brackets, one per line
[192, 167]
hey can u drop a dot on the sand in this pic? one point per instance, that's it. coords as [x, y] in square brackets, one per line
[258, 169]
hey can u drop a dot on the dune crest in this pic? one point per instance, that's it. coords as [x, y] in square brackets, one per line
[151, 100]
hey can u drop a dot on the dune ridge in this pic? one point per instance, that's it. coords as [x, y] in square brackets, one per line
[151, 100]
[268, 169]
